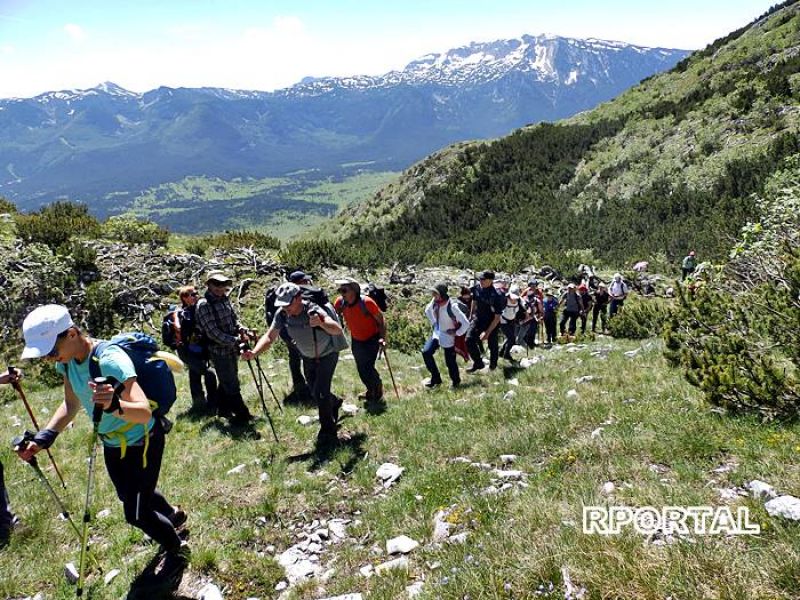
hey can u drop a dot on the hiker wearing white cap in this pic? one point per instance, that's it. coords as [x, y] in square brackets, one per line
[218, 320]
[513, 314]
[133, 438]
[618, 291]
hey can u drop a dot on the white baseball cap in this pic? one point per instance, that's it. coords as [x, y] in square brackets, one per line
[41, 328]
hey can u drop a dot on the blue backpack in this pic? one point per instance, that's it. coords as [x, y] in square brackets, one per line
[152, 375]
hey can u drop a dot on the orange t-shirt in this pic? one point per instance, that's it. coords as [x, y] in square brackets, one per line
[362, 326]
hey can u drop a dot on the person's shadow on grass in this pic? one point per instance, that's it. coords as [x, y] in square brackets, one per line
[351, 447]
[154, 583]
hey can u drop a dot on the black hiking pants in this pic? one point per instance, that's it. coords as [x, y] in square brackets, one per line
[135, 483]
[572, 317]
[550, 327]
[510, 333]
[230, 401]
[320, 376]
[365, 355]
[200, 371]
[599, 311]
[474, 344]
[6, 516]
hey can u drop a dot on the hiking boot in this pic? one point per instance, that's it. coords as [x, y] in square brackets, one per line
[455, 385]
[476, 367]
[430, 384]
[178, 518]
[377, 393]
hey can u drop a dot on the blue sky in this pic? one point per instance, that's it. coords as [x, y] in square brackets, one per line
[247, 44]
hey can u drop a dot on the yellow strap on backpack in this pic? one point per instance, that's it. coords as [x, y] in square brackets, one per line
[174, 363]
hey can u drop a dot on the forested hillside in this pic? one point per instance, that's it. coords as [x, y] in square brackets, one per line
[671, 164]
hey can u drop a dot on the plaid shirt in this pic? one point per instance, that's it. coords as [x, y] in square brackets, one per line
[216, 317]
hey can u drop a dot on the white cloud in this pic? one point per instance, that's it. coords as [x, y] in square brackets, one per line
[75, 32]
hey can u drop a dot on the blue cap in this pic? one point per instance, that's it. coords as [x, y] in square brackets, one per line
[297, 276]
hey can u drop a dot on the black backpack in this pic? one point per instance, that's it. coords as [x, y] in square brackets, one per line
[315, 295]
[378, 294]
[269, 304]
[168, 334]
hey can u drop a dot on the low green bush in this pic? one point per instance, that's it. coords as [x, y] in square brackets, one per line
[641, 318]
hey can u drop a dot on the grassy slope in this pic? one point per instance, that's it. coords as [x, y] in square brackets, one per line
[649, 415]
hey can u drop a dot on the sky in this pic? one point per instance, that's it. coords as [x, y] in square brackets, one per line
[48, 45]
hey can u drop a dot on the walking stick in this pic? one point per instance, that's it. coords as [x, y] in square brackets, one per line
[18, 387]
[263, 375]
[21, 441]
[97, 414]
[389, 366]
[260, 390]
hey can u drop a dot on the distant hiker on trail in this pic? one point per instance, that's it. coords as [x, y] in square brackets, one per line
[573, 307]
[530, 328]
[7, 519]
[600, 309]
[487, 306]
[367, 326]
[550, 309]
[586, 299]
[618, 291]
[300, 389]
[132, 436]
[218, 320]
[448, 322]
[319, 338]
[688, 265]
[192, 348]
[513, 314]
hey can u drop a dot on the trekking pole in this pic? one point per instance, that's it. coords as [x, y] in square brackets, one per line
[18, 387]
[260, 389]
[19, 443]
[389, 366]
[263, 375]
[263, 403]
[97, 414]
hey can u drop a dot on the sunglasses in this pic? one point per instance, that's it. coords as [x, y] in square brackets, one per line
[54, 352]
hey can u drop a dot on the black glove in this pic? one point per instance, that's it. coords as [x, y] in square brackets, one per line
[45, 438]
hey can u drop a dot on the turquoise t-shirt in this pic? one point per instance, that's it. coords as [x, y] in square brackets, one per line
[114, 362]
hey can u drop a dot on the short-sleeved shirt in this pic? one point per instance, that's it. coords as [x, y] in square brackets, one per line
[362, 326]
[114, 362]
[310, 341]
[489, 302]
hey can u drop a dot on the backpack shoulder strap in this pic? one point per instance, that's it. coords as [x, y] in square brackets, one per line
[94, 359]
[450, 312]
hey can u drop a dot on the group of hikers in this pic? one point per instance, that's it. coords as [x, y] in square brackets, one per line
[461, 326]
[210, 339]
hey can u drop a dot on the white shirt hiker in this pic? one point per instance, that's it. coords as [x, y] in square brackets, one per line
[443, 323]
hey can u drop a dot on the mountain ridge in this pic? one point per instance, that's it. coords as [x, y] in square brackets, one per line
[106, 145]
[676, 162]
